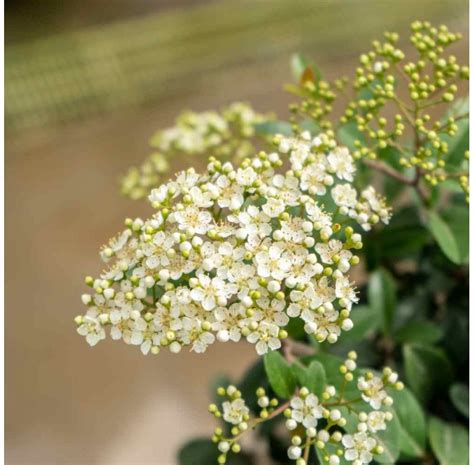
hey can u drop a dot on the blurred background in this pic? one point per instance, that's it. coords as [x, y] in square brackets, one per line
[87, 83]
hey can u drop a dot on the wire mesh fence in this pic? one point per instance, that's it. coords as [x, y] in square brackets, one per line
[77, 75]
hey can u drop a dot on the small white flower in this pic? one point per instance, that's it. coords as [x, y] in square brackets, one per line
[376, 421]
[344, 290]
[301, 300]
[272, 312]
[272, 263]
[91, 328]
[344, 195]
[314, 179]
[265, 337]
[235, 411]
[254, 222]
[373, 391]
[322, 325]
[193, 219]
[230, 194]
[210, 291]
[342, 164]
[229, 322]
[306, 411]
[144, 335]
[246, 177]
[273, 207]
[358, 447]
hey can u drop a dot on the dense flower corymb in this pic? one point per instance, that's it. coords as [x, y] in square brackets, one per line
[236, 252]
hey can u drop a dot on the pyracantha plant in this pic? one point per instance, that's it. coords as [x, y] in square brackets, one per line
[260, 245]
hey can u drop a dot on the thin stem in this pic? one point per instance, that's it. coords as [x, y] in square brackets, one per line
[398, 146]
[389, 171]
[343, 389]
[457, 175]
[307, 449]
[404, 110]
[455, 118]
[292, 348]
[286, 350]
[401, 72]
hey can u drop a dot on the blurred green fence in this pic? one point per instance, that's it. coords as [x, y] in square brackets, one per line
[81, 74]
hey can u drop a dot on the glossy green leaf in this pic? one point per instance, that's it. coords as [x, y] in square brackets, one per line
[382, 297]
[459, 395]
[280, 375]
[444, 236]
[418, 331]
[412, 423]
[449, 441]
[427, 370]
[313, 376]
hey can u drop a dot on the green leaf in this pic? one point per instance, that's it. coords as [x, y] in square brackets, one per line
[404, 236]
[449, 441]
[295, 329]
[457, 217]
[313, 377]
[425, 332]
[382, 297]
[271, 128]
[427, 369]
[460, 142]
[365, 322]
[204, 452]
[254, 378]
[412, 423]
[348, 134]
[444, 236]
[279, 374]
[459, 395]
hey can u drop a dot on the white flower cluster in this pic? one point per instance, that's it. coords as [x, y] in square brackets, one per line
[227, 135]
[236, 252]
[319, 416]
[335, 425]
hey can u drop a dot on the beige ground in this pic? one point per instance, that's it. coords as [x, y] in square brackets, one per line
[68, 403]
[65, 402]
